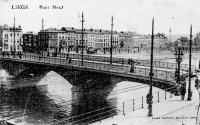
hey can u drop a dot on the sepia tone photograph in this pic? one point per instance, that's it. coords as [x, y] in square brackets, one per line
[99, 62]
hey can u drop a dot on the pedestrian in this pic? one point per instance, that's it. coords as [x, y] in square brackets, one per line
[122, 62]
[183, 91]
[67, 60]
[67, 55]
[196, 82]
[3, 54]
[70, 60]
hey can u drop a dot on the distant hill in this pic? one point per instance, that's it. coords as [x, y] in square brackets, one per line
[174, 37]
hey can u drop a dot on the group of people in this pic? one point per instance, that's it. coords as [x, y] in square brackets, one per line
[130, 61]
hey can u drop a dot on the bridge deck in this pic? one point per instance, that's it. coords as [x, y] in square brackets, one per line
[141, 72]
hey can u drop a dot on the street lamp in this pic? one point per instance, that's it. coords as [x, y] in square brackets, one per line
[111, 42]
[190, 55]
[14, 38]
[179, 58]
[151, 74]
[82, 21]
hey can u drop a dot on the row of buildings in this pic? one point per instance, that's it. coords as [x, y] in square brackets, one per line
[183, 42]
[67, 39]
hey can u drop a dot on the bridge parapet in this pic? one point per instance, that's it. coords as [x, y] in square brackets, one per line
[103, 66]
[146, 63]
[157, 64]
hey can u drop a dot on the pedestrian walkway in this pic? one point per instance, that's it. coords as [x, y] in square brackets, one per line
[173, 111]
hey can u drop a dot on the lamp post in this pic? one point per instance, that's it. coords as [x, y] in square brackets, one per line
[190, 55]
[151, 74]
[82, 40]
[42, 42]
[170, 31]
[179, 55]
[14, 38]
[111, 46]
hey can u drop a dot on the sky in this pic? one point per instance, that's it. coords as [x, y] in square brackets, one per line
[129, 15]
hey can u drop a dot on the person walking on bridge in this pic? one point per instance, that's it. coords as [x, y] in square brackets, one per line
[183, 91]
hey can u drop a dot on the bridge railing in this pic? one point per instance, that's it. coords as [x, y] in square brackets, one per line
[118, 108]
[146, 63]
[157, 64]
[104, 66]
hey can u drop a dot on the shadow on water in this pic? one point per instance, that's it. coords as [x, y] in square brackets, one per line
[28, 102]
[86, 106]
[90, 104]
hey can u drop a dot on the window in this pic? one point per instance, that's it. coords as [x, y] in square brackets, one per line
[11, 34]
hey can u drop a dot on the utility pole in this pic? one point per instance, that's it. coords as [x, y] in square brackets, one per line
[190, 55]
[151, 74]
[14, 37]
[82, 21]
[42, 40]
[111, 40]
[170, 33]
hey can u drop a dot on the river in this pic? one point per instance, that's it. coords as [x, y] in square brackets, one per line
[53, 99]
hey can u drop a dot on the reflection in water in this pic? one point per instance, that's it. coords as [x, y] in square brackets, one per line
[52, 100]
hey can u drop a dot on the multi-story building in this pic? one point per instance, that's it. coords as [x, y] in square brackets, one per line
[184, 43]
[159, 43]
[50, 41]
[122, 46]
[106, 41]
[99, 40]
[102, 40]
[129, 42]
[69, 41]
[91, 38]
[196, 42]
[115, 41]
[30, 42]
[79, 40]
[10, 38]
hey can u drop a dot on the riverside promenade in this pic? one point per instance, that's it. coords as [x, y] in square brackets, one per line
[172, 111]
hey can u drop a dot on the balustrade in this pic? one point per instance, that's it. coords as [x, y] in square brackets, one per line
[115, 67]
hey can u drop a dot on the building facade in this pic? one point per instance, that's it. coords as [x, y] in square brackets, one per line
[30, 42]
[10, 39]
[79, 40]
[160, 42]
[69, 41]
[196, 42]
[50, 41]
[129, 42]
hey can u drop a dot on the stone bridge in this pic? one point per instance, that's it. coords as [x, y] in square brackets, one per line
[88, 75]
